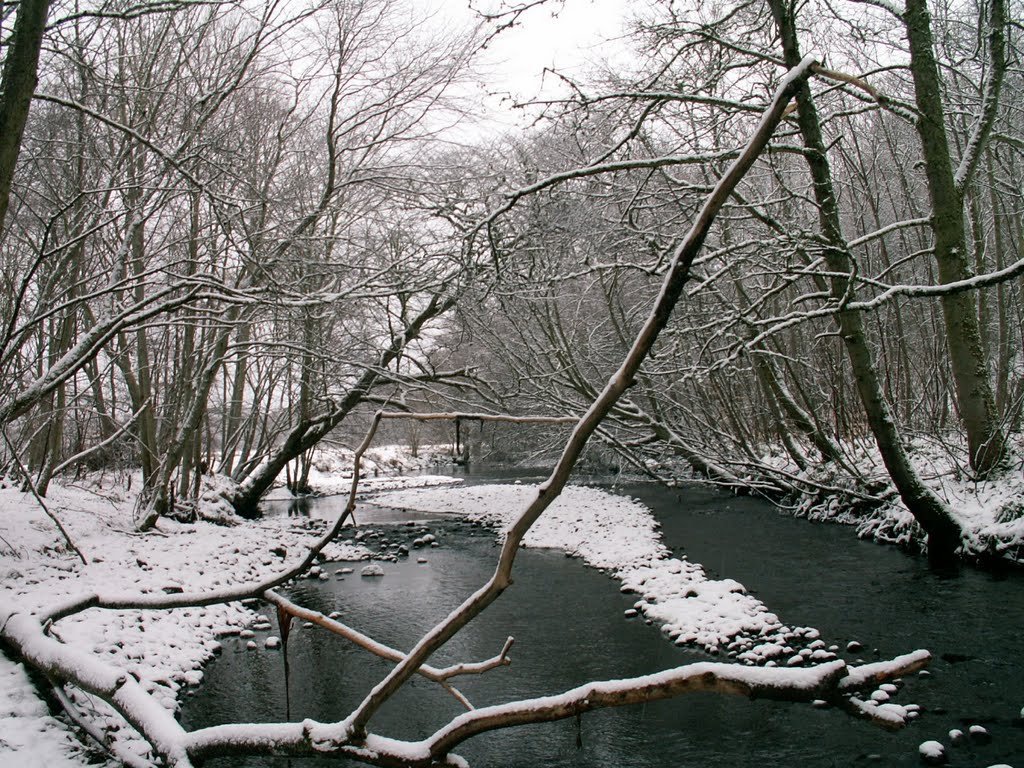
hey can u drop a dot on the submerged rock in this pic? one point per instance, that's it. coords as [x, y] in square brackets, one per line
[371, 570]
[979, 734]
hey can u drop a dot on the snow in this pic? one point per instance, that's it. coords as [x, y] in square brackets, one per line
[932, 752]
[991, 511]
[27, 730]
[163, 650]
[371, 570]
[160, 654]
[383, 467]
[620, 535]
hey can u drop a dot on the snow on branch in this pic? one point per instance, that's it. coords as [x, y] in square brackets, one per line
[827, 682]
[61, 663]
[350, 737]
[896, 225]
[995, 28]
[958, 286]
[775, 683]
[885, 5]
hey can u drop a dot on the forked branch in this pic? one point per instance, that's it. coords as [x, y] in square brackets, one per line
[350, 737]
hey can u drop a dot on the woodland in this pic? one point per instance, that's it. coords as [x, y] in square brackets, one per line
[781, 251]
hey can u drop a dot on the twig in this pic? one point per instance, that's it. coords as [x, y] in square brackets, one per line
[440, 676]
[128, 759]
[32, 487]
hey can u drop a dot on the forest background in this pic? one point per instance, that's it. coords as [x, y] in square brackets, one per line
[233, 230]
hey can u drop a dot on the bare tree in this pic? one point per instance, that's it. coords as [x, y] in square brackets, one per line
[351, 736]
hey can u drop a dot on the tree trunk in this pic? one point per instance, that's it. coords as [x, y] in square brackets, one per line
[967, 357]
[944, 531]
[16, 88]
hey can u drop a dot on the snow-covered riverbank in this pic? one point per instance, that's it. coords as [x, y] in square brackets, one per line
[990, 511]
[165, 650]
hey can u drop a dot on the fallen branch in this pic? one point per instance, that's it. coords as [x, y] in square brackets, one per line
[61, 663]
[441, 676]
[32, 487]
[824, 682]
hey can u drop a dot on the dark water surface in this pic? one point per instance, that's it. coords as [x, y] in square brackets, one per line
[569, 628]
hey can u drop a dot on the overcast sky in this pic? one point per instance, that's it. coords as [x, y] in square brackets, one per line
[567, 35]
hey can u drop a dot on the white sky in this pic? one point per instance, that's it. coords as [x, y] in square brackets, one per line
[567, 35]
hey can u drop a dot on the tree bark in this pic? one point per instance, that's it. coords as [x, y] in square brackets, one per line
[944, 531]
[16, 88]
[967, 357]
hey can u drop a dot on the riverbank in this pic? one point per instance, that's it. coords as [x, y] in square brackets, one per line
[990, 511]
[166, 650]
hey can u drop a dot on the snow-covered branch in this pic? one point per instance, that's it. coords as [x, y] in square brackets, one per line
[996, 33]
[831, 682]
[434, 674]
[672, 288]
[61, 663]
[821, 682]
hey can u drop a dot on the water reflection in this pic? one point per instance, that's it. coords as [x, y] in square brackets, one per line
[300, 505]
[569, 628]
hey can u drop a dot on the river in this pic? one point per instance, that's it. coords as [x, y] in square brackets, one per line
[569, 628]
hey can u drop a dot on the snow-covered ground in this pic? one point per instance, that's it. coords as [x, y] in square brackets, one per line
[990, 511]
[165, 650]
[386, 466]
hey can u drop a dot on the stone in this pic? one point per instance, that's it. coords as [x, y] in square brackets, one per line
[932, 753]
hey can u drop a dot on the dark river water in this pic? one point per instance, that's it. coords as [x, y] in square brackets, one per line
[569, 628]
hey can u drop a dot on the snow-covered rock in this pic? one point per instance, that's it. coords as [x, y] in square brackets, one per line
[371, 570]
[932, 752]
